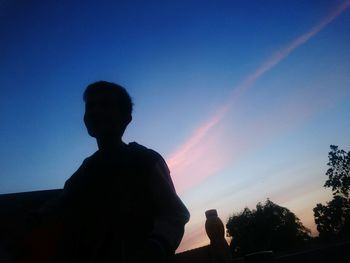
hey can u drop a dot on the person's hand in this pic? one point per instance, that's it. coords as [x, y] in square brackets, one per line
[151, 252]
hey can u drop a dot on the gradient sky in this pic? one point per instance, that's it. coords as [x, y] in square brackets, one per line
[242, 98]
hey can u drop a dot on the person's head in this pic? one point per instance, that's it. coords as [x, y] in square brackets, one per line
[108, 109]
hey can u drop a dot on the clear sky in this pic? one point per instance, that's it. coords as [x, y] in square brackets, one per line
[242, 98]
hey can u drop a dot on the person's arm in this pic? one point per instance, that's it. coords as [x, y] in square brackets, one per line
[170, 218]
[172, 215]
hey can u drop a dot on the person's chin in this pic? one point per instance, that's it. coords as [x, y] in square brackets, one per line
[100, 133]
[93, 133]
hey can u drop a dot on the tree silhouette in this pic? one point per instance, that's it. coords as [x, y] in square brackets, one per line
[333, 219]
[268, 227]
[339, 172]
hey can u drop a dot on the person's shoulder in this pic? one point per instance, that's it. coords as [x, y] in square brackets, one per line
[143, 152]
[85, 165]
[90, 159]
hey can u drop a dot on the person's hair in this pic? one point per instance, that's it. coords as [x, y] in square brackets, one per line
[124, 101]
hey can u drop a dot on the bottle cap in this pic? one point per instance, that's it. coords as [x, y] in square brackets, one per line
[211, 213]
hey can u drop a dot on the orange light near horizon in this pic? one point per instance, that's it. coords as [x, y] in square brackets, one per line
[181, 160]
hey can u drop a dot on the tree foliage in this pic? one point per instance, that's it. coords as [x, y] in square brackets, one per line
[339, 171]
[268, 227]
[333, 219]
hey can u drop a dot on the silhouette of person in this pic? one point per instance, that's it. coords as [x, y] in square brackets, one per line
[120, 205]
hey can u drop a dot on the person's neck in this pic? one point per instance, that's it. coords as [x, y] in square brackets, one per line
[110, 144]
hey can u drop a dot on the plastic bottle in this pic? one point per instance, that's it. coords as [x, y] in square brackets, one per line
[216, 232]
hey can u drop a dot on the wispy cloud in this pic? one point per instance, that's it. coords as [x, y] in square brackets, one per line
[196, 153]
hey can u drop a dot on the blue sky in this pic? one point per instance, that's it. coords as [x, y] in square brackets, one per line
[182, 61]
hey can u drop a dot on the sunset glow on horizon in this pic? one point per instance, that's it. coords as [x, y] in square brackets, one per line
[197, 153]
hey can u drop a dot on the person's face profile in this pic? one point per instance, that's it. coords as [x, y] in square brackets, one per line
[102, 117]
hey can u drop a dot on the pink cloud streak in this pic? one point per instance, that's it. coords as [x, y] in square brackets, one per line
[198, 145]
